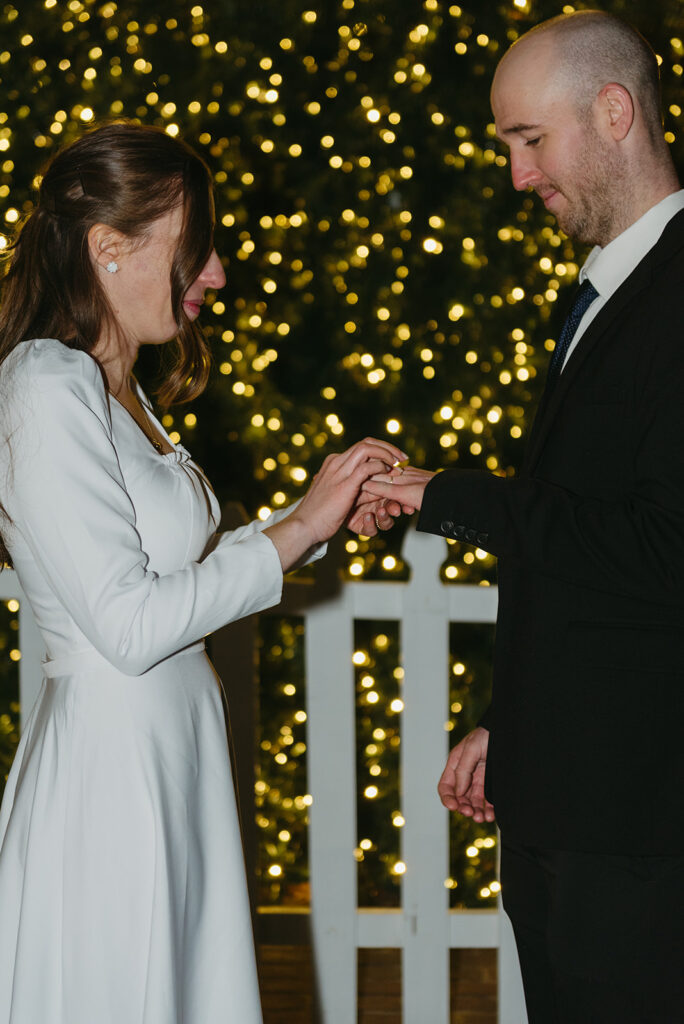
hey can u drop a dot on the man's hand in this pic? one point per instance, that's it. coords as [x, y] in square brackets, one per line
[403, 485]
[461, 787]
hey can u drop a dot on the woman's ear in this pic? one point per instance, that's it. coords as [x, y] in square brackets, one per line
[106, 247]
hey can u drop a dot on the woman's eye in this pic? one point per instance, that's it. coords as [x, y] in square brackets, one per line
[533, 142]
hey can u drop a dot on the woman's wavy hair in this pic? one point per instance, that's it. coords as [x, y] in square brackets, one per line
[127, 176]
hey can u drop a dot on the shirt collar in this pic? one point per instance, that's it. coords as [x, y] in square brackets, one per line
[607, 268]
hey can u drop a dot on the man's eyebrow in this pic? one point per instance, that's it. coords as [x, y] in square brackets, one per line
[515, 129]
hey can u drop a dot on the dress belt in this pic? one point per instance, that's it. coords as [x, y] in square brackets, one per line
[80, 661]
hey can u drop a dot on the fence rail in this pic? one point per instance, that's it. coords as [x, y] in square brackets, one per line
[424, 928]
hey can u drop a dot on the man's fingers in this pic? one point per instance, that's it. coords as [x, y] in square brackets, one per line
[469, 774]
[461, 785]
[446, 787]
[481, 811]
[386, 478]
[384, 490]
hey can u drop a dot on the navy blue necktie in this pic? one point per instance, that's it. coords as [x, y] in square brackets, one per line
[585, 295]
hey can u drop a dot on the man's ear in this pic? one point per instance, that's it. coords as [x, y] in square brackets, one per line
[616, 110]
[106, 246]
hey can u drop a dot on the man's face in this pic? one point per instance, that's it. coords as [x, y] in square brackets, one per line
[563, 158]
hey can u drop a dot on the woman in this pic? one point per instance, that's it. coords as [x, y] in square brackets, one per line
[122, 890]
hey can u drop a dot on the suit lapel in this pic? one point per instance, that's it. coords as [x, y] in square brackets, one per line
[641, 276]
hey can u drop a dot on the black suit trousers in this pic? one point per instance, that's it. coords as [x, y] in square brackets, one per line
[600, 937]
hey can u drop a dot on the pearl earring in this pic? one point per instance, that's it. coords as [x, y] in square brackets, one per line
[112, 267]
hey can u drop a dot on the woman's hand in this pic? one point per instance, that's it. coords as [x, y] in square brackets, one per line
[401, 486]
[370, 515]
[327, 503]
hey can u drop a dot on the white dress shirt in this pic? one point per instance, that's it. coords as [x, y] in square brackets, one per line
[607, 268]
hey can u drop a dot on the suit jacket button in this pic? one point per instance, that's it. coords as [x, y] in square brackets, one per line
[446, 526]
[482, 539]
[459, 532]
[471, 536]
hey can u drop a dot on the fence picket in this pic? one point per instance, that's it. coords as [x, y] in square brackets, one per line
[332, 831]
[425, 836]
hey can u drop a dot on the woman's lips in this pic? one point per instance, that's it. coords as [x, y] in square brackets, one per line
[191, 308]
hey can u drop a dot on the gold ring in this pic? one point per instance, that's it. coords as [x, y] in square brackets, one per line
[377, 524]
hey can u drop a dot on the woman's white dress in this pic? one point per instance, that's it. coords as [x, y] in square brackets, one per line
[122, 885]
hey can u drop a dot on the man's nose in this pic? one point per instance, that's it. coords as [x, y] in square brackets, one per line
[524, 171]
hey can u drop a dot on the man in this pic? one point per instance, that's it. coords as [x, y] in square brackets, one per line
[583, 742]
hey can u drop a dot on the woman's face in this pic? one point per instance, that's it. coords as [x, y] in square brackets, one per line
[140, 290]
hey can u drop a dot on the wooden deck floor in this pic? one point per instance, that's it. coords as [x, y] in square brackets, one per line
[288, 991]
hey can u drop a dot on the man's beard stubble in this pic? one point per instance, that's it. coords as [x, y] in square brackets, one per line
[595, 196]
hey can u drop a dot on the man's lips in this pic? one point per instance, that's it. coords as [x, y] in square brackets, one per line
[547, 196]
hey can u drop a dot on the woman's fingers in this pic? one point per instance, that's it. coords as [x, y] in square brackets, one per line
[389, 453]
[369, 516]
[362, 471]
[394, 508]
[383, 520]
[363, 452]
[370, 448]
[397, 454]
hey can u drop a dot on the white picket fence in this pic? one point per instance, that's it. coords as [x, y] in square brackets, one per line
[424, 928]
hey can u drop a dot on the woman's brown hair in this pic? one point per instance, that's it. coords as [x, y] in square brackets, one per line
[127, 176]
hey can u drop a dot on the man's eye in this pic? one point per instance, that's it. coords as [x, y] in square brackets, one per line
[533, 142]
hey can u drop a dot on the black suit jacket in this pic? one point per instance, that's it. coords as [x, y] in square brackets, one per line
[587, 716]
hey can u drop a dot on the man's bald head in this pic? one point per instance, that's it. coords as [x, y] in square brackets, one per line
[590, 49]
[577, 101]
